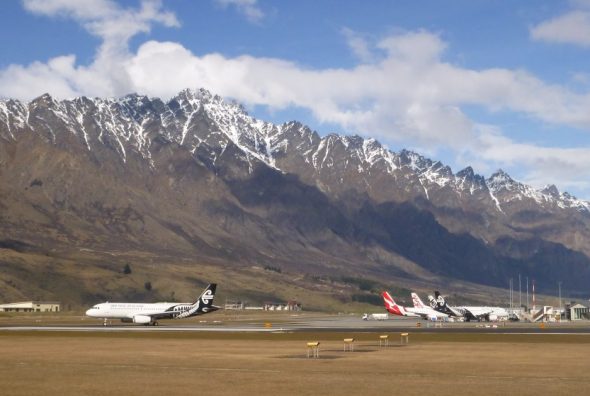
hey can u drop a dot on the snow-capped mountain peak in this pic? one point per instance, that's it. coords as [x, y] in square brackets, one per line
[207, 125]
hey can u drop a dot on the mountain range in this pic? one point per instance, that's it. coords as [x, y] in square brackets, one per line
[194, 188]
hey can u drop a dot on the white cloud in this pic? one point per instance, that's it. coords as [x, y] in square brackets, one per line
[567, 168]
[55, 76]
[359, 45]
[572, 27]
[415, 47]
[249, 8]
[105, 19]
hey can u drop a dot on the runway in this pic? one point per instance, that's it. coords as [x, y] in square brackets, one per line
[103, 329]
[314, 324]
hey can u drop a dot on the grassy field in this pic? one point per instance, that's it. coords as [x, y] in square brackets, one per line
[155, 363]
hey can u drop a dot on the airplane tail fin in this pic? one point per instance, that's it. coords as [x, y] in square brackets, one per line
[440, 300]
[205, 301]
[417, 301]
[391, 306]
[432, 302]
[441, 305]
[204, 304]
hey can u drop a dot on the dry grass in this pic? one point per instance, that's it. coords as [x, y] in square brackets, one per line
[276, 364]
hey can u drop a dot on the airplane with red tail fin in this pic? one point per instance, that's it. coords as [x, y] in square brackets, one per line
[425, 312]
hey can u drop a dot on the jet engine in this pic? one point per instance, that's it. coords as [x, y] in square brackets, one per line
[142, 319]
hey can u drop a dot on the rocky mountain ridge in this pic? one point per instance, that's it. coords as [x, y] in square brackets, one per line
[196, 175]
[206, 124]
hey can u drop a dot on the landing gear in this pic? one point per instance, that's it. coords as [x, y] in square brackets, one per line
[105, 322]
[154, 323]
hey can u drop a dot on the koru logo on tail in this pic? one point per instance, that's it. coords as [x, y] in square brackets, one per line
[207, 296]
[433, 303]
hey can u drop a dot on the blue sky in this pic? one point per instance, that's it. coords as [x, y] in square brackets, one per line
[483, 83]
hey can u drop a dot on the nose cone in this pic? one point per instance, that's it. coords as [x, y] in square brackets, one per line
[90, 312]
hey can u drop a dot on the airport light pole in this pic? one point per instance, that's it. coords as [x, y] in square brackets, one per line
[527, 292]
[510, 295]
[560, 311]
[519, 293]
[534, 305]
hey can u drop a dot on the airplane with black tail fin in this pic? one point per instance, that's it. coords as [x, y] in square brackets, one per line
[439, 304]
[149, 314]
[469, 313]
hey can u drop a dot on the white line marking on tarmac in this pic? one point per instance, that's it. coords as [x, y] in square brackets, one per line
[140, 329]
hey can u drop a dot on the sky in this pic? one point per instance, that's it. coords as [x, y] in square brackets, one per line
[487, 84]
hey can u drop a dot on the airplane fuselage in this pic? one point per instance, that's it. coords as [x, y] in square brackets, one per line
[129, 310]
[486, 313]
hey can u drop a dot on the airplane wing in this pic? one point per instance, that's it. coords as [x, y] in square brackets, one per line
[428, 313]
[164, 315]
[171, 313]
[413, 315]
[454, 312]
[423, 315]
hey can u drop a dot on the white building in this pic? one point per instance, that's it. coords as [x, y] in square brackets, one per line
[31, 306]
[288, 306]
[234, 305]
[576, 312]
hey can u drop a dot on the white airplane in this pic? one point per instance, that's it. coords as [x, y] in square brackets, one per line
[490, 314]
[424, 312]
[149, 314]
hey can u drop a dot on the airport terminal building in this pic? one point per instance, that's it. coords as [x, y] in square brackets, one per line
[31, 306]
